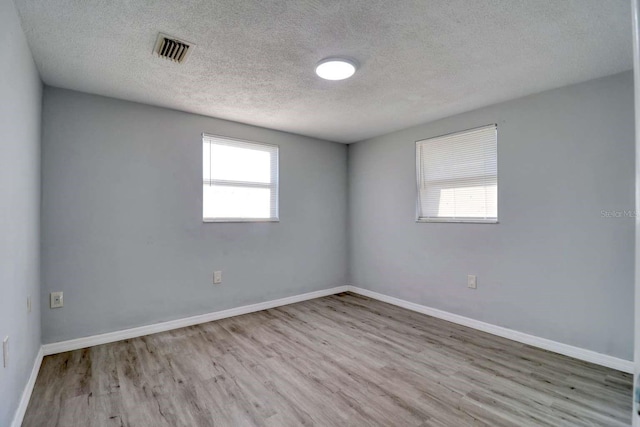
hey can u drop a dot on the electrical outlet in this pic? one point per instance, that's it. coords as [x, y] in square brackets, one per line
[5, 351]
[29, 304]
[217, 277]
[57, 300]
[471, 281]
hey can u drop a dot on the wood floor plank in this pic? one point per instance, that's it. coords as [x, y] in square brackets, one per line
[340, 360]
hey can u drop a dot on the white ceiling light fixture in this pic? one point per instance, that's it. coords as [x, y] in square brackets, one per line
[336, 68]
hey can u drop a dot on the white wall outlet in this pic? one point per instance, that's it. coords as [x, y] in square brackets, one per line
[5, 351]
[217, 277]
[29, 304]
[56, 300]
[471, 281]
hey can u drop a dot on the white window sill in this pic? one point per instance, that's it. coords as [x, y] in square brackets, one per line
[459, 220]
[240, 220]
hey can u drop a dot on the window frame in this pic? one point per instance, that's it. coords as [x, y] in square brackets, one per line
[454, 220]
[274, 206]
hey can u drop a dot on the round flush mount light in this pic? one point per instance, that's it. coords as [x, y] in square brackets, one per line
[335, 68]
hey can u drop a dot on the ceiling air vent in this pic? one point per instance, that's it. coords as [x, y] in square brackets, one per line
[172, 48]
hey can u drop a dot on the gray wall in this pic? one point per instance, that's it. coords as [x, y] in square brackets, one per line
[122, 218]
[20, 105]
[123, 237]
[553, 267]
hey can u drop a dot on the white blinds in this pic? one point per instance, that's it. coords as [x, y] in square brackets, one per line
[458, 176]
[239, 180]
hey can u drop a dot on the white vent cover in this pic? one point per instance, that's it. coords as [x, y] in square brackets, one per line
[172, 48]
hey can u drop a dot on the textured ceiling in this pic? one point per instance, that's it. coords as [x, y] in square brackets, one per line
[419, 60]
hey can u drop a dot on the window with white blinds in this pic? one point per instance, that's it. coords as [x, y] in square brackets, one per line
[458, 177]
[239, 180]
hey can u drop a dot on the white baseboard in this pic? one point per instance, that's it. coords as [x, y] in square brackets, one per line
[546, 344]
[75, 344]
[28, 389]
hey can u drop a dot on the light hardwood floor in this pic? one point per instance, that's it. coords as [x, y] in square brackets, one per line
[343, 360]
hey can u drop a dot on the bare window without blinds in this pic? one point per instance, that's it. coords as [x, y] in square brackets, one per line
[239, 180]
[458, 177]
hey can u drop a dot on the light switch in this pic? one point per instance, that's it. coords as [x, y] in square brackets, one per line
[5, 351]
